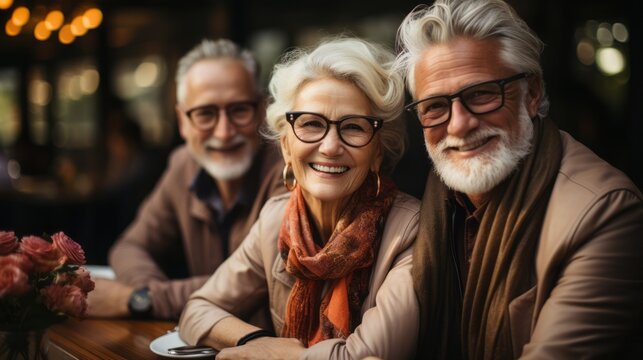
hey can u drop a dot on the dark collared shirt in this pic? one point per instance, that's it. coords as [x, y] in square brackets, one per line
[206, 190]
[467, 224]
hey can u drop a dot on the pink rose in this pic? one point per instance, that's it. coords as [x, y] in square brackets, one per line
[14, 280]
[42, 253]
[71, 249]
[20, 260]
[83, 280]
[79, 278]
[67, 299]
[8, 242]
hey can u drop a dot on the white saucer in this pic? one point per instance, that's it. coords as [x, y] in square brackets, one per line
[161, 344]
[100, 271]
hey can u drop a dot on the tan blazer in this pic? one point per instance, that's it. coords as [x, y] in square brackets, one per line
[174, 230]
[255, 273]
[588, 301]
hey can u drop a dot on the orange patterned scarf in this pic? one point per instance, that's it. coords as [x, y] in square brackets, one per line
[343, 265]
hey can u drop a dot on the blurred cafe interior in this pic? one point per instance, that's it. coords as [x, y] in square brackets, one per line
[87, 92]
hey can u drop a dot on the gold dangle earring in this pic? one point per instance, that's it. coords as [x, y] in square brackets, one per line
[378, 184]
[285, 175]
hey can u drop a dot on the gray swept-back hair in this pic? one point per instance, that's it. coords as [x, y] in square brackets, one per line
[214, 49]
[447, 20]
[362, 63]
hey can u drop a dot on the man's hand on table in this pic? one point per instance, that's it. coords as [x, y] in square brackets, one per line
[108, 299]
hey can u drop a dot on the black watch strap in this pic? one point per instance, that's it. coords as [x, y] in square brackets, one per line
[140, 304]
[253, 335]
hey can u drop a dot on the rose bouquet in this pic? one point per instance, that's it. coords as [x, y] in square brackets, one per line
[42, 281]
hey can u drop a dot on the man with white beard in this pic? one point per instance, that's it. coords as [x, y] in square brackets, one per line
[529, 244]
[209, 196]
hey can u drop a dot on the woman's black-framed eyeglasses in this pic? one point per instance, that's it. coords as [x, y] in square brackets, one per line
[353, 130]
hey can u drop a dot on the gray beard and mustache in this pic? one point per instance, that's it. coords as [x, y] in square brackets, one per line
[228, 168]
[480, 174]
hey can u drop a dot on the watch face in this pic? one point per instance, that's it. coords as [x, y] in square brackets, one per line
[140, 301]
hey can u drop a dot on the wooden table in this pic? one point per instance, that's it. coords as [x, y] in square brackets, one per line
[97, 339]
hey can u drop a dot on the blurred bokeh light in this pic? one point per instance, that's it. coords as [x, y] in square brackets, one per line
[54, 20]
[5, 4]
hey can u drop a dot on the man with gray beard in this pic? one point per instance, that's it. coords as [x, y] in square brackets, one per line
[529, 245]
[209, 196]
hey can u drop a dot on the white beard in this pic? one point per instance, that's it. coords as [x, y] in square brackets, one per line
[480, 174]
[229, 168]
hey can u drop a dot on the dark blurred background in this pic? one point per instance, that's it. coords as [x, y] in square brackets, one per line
[87, 103]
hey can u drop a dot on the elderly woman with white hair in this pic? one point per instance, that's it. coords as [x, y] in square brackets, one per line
[333, 256]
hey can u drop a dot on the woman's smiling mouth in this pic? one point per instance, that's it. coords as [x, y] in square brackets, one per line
[329, 169]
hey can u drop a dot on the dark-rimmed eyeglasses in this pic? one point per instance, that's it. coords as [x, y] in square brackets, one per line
[205, 117]
[478, 99]
[353, 130]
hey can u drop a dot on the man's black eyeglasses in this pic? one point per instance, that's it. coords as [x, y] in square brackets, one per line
[205, 117]
[478, 99]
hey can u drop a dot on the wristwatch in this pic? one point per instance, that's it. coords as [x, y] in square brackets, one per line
[140, 304]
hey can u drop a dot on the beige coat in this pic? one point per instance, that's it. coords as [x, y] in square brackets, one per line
[175, 230]
[588, 301]
[255, 273]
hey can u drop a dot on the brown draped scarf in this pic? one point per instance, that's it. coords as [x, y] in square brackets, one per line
[502, 263]
[343, 263]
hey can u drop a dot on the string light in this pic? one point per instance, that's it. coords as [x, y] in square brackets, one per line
[65, 35]
[86, 20]
[20, 16]
[54, 20]
[12, 29]
[41, 32]
[92, 18]
[77, 27]
[5, 4]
